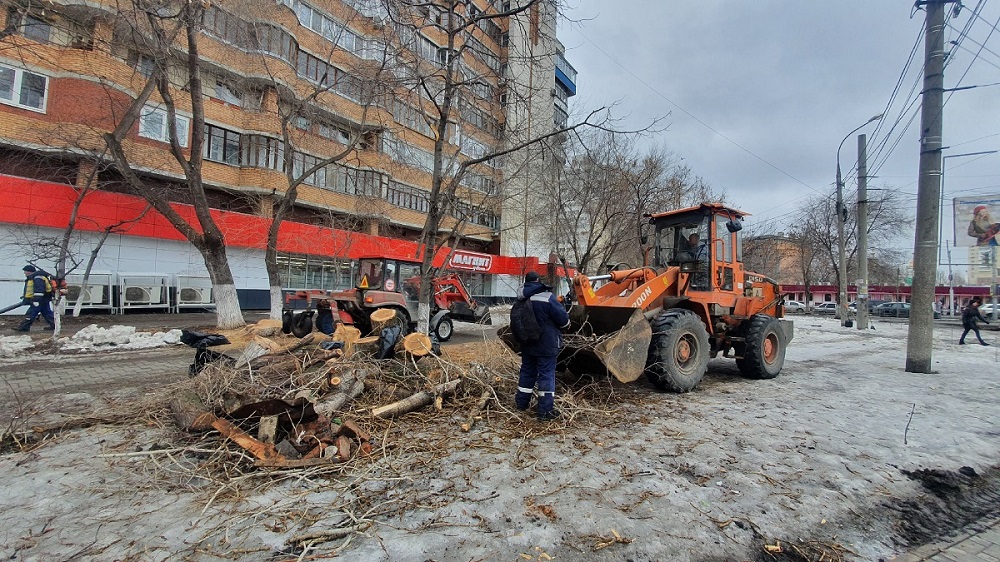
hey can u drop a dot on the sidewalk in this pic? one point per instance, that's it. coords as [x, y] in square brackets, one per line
[980, 542]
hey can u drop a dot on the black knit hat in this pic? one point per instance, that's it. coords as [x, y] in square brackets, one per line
[532, 277]
[30, 269]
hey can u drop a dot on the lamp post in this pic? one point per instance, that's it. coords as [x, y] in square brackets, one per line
[841, 218]
[944, 168]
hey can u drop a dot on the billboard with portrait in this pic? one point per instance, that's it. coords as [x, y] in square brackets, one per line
[977, 220]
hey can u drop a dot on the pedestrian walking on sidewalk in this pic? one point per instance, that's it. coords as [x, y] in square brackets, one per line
[969, 317]
[38, 296]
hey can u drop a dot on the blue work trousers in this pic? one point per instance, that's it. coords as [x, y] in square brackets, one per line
[44, 308]
[540, 371]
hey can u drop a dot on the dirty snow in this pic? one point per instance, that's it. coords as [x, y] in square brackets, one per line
[13, 345]
[815, 454]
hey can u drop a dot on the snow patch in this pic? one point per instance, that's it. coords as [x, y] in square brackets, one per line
[123, 337]
[13, 345]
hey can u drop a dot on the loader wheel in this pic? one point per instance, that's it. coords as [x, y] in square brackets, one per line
[678, 352]
[764, 349]
[302, 325]
[444, 329]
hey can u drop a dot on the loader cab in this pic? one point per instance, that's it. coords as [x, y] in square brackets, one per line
[705, 241]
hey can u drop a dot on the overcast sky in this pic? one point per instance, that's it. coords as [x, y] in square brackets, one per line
[760, 93]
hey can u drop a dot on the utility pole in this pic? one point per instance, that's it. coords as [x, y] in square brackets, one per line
[951, 283]
[841, 245]
[863, 231]
[919, 339]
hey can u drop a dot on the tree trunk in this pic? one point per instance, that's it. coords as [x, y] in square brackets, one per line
[228, 314]
[277, 301]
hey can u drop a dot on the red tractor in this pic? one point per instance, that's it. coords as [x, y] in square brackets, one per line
[394, 284]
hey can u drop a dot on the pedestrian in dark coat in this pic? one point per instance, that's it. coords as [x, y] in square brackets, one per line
[969, 317]
[538, 358]
[38, 297]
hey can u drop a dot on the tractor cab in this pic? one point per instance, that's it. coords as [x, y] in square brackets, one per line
[377, 276]
[704, 241]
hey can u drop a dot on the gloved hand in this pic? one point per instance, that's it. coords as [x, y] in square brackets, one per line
[34, 303]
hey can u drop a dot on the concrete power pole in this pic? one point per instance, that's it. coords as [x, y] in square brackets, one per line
[921, 333]
[863, 232]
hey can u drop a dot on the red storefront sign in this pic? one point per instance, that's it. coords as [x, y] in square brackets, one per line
[471, 261]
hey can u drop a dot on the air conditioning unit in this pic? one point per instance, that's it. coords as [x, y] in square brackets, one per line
[195, 295]
[92, 294]
[143, 295]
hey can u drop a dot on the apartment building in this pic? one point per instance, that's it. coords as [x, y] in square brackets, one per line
[339, 96]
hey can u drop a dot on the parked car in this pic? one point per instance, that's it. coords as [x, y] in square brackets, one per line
[794, 306]
[893, 309]
[872, 303]
[825, 308]
[987, 309]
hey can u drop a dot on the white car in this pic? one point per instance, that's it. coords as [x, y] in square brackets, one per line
[794, 306]
[825, 308]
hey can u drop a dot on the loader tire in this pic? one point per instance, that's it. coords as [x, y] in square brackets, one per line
[764, 348]
[444, 329]
[678, 352]
[302, 325]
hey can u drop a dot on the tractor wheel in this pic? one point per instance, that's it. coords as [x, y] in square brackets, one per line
[678, 352]
[444, 329]
[302, 325]
[764, 348]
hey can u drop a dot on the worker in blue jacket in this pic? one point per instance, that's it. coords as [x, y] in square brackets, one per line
[38, 296]
[538, 358]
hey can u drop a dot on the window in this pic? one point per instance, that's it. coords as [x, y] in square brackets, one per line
[153, 125]
[228, 93]
[277, 42]
[222, 145]
[37, 29]
[263, 152]
[145, 65]
[22, 88]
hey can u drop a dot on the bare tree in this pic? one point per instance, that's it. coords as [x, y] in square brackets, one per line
[595, 212]
[817, 227]
[161, 28]
[316, 142]
[447, 82]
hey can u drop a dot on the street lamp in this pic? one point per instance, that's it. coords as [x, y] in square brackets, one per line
[951, 283]
[841, 218]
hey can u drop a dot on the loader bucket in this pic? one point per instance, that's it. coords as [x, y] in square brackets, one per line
[464, 313]
[615, 338]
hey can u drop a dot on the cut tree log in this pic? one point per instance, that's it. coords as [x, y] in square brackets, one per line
[383, 318]
[365, 347]
[267, 429]
[190, 413]
[477, 412]
[417, 344]
[270, 345]
[262, 451]
[348, 335]
[416, 401]
[267, 328]
[352, 383]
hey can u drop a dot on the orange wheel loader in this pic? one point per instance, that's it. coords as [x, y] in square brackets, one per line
[692, 302]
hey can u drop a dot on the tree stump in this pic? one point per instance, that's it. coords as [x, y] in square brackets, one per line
[383, 318]
[348, 335]
[366, 347]
[417, 345]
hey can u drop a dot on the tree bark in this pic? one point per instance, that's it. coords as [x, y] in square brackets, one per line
[416, 401]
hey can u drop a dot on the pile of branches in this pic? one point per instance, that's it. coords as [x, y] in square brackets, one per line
[298, 404]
